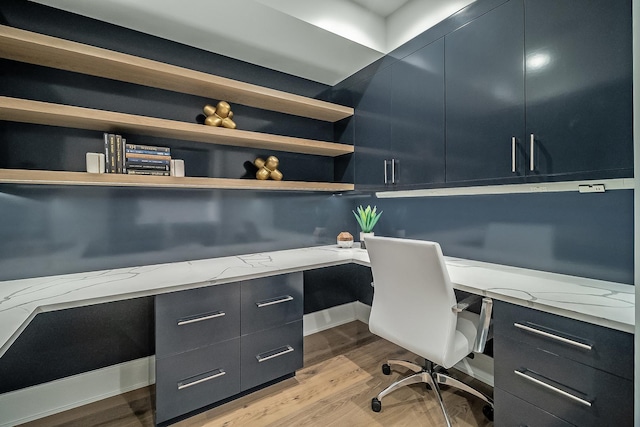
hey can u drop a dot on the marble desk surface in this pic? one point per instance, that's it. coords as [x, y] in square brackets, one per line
[595, 301]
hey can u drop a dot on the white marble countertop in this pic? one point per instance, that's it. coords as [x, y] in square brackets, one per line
[603, 303]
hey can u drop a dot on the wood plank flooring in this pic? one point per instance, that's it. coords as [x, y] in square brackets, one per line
[340, 376]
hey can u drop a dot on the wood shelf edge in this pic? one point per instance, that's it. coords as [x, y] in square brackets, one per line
[40, 49]
[43, 177]
[45, 113]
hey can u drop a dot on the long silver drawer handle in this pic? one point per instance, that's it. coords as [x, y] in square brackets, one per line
[385, 172]
[182, 386]
[261, 359]
[552, 388]
[200, 319]
[513, 154]
[553, 337]
[277, 301]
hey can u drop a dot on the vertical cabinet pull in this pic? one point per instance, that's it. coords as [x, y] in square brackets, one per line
[273, 301]
[263, 357]
[393, 171]
[205, 377]
[385, 172]
[552, 388]
[200, 318]
[513, 154]
[532, 163]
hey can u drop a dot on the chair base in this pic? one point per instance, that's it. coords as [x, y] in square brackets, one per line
[432, 376]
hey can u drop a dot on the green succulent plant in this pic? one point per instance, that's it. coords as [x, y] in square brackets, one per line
[367, 218]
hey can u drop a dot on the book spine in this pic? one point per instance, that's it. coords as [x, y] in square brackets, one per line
[119, 154]
[124, 163]
[146, 172]
[141, 166]
[157, 153]
[147, 156]
[147, 148]
[107, 159]
[112, 153]
[133, 161]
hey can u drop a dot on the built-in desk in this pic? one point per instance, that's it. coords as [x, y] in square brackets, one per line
[605, 304]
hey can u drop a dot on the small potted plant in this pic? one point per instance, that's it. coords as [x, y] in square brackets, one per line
[367, 219]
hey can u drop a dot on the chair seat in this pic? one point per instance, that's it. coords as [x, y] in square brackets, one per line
[465, 336]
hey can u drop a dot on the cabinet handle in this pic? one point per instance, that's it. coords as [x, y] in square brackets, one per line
[393, 171]
[552, 388]
[277, 300]
[553, 337]
[532, 163]
[385, 172]
[218, 373]
[200, 318]
[513, 154]
[270, 354]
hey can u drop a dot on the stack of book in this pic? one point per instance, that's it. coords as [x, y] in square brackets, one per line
[135, 159]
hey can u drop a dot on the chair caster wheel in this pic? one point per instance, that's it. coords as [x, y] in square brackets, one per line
[487, 410]
[376, 405]
[386, 369]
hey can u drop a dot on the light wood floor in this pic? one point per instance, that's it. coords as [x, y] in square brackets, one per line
[340, 376]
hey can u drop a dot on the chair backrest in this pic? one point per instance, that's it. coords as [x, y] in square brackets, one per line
[413, 297]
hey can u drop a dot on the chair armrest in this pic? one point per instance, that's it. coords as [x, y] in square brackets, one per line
[483, 326]
[465, 303]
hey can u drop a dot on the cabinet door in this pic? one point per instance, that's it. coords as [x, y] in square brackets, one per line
[579, 86]
[485, 97]
[372, 129]
[417, 117]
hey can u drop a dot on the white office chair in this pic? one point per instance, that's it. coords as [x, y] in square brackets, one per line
[415, 307]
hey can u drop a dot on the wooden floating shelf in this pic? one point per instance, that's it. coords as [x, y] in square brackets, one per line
[33, 48]
[41, 177]
[44, 113]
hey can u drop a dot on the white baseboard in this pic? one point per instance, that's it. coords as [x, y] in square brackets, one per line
[329, 318]
[42, 400]
[480, 368]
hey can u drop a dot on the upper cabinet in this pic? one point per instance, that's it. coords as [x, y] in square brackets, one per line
[417, 117]
[399, 128]
[533, 90]
[579, 88]
[485, 97]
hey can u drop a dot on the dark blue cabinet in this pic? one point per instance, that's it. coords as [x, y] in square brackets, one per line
[485, 114]
[399, 123]
[579, 88]
[372, 105]
[417, 117]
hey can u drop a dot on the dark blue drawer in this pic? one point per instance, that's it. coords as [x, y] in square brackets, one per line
[271, 301]
[603, 348]
[196, 378]
[548, 381]
[270, 354]
[195, 318]
[511, 411]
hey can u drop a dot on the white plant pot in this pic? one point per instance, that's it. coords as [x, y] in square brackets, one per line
[363, 236]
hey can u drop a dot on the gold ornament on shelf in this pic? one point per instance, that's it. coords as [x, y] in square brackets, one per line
[220, 115]
[268, 169]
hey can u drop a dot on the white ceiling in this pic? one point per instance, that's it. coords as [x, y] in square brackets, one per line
[325, 41]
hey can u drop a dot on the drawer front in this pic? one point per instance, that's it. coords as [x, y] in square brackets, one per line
[570, 390]
[190, 319]
[603, 348]
[270, 354]
[196, 378]
[271, 301]
[511, 411]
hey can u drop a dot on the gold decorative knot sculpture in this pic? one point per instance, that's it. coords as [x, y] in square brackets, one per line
[221, 115]
[268, 169]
